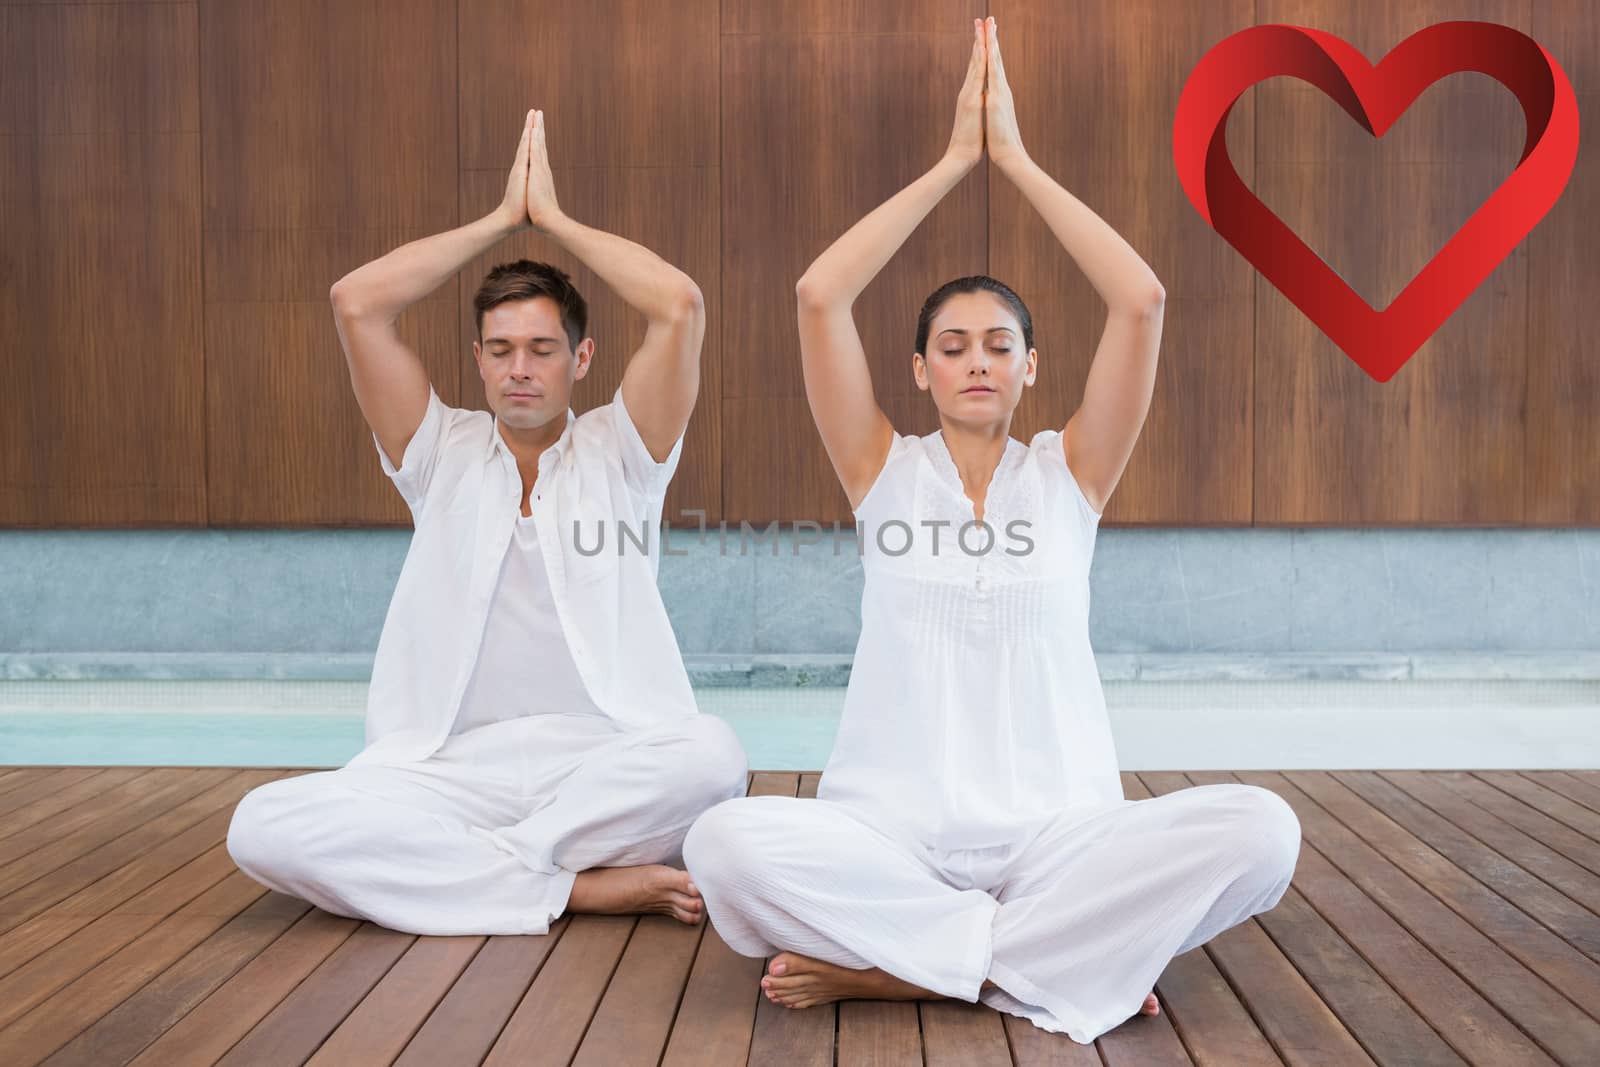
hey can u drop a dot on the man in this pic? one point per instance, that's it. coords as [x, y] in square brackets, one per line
[533, 743]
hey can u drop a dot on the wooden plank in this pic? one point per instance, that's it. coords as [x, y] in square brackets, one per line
[75, 1007]
[205, 1034]
[471, 1016]
[1388, 1029]
[1530, 820]
[1404, 955]
[1531, 855]
[1568, 785]
[877, 1033]
[95, 820]
[549, 1024]
[1033, 1047]
[100, 181]
[718, 1013]
[1561, 808]
[1378, 1017]
[904, 63]
[96, 780]
[107, 818]
[1497, 918]
[41, 789]
[1443, 441]
[119, 1035]
[298, 193]
[1576, 924]
[378, 1030]
[302, 1021]
[809, 781]
[956, 1034]
[18, 777]
[51, 964]
[635, 1016]
[1561, 451]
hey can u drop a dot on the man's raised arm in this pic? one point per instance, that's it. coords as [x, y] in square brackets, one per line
[390, 382]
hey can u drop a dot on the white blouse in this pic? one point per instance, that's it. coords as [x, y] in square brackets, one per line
[974, 711]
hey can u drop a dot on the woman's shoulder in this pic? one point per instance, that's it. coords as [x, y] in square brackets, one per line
[1048, 450]
[905, 452]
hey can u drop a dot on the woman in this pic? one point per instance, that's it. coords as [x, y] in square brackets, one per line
[970, 837]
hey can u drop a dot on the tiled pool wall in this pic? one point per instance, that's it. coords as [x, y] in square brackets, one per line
[1166, 604]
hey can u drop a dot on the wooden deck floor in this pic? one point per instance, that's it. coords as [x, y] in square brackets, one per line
[1436, 917]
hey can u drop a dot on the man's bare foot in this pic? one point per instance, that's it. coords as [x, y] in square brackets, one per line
[797, 981]
[1152, 1006]
[630, 890]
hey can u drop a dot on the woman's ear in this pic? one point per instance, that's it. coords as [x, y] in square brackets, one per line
[919, 371]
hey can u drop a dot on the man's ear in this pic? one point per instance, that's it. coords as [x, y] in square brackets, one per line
[585, 355]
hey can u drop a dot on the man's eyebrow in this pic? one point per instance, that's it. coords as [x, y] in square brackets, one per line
[507, 341]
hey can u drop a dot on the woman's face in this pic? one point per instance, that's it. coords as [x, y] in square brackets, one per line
[976, 365]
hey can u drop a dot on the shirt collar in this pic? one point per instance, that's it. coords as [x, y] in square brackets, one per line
[497, 443]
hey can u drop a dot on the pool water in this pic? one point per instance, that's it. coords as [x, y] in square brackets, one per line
[1156, 725]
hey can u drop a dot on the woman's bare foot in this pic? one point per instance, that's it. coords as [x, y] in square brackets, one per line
[630, 890]
[797, 981]
[1152, 1006]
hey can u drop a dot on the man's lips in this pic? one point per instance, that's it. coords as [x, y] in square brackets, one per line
[978, 389]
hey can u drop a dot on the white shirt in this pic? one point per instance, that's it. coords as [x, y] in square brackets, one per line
[525, 666]
[974, 710]
[461, 483]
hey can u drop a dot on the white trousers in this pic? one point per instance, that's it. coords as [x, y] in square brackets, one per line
[486, 835]
[1074, 926]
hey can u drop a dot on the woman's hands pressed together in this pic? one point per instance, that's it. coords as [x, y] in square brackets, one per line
[966, 140]
[1003, 139]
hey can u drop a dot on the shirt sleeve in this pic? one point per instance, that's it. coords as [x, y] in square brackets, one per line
[1052, 445]
[644, 475]
[416, 468]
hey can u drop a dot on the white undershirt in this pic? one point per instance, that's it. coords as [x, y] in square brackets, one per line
[525, 666]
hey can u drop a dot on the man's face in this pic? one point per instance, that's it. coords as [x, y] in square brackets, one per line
[526, 362]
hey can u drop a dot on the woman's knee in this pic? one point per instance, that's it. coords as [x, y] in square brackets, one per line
[720, 843]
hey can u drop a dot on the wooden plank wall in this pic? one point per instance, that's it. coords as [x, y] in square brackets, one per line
[180, 183]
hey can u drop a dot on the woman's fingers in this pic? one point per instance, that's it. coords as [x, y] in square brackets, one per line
[976, 64]
[997, 67]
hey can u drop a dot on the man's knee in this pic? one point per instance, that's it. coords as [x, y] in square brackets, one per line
[721, 766]
[252, 831]
[262, 836]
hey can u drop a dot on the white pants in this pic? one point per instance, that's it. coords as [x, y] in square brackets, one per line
[1073, 926]
[486, 835]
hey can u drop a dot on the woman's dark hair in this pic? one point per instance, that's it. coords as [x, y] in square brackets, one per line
[973, 283]
[526, 279]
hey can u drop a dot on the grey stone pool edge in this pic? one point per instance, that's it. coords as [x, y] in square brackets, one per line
[777, 671]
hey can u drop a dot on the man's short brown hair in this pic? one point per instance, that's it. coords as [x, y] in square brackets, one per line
[525, 280]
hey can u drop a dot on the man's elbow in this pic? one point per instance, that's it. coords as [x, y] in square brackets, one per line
[344, 301]
[689, 305]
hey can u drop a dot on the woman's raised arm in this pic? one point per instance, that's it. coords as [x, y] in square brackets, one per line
[1100, 436]
[854, 429]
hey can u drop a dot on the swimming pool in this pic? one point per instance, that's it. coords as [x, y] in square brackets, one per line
[1157, 725]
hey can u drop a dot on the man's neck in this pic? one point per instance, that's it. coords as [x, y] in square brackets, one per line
[528, 445]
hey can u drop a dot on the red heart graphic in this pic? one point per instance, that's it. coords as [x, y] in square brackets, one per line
[1379, 341]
